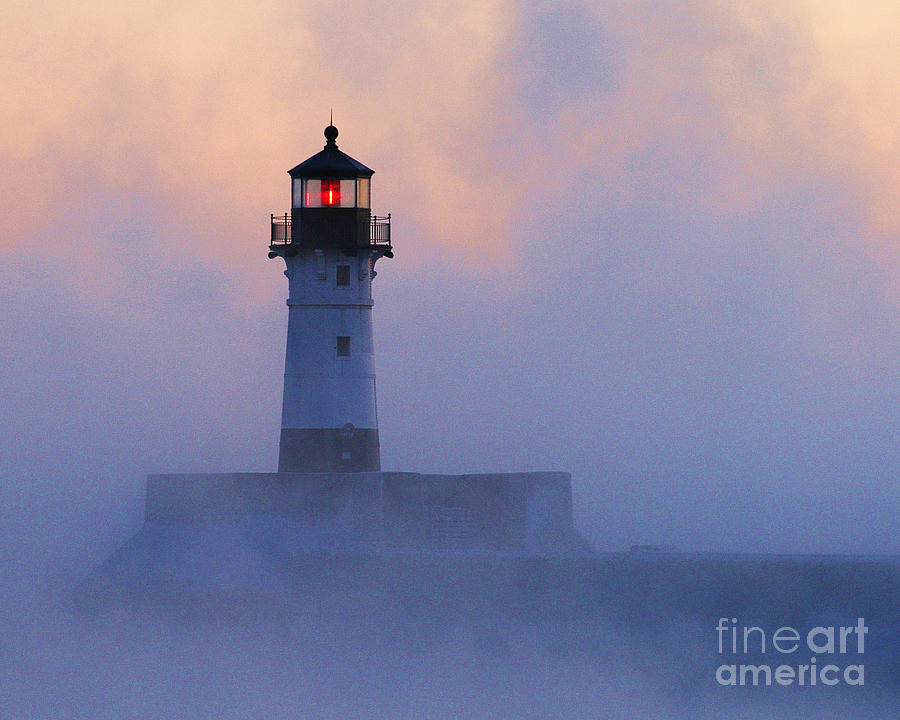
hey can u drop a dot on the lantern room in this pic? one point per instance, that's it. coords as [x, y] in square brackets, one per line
[330, 179]
[330, 205]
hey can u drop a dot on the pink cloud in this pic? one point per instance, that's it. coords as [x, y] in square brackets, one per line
[203, 106]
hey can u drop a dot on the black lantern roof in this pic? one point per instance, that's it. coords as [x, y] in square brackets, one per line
[331, 162]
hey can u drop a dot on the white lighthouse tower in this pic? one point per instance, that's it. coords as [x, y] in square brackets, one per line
[330, 242]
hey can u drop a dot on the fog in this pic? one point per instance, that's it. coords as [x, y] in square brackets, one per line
[711, 396]
[653, 245]
[231, 633]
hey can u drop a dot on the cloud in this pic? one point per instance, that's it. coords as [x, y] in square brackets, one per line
[476, 110]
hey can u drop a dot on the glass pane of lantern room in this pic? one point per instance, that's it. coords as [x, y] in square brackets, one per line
[296, 193]
[363, 199]
[312, 193]
[348, 193]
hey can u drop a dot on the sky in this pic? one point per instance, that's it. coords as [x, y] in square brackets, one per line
[652, 244]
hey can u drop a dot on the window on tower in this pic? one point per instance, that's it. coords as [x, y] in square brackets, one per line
[343, 274]
[343, 346]
[328, 193]
[362, 194]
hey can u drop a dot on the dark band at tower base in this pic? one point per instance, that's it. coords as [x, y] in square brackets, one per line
[346, 449]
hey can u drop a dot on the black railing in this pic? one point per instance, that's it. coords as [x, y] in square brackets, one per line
[281, 230]
[379, 230]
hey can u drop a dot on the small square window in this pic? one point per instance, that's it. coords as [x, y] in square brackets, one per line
[343, 346]
[343, 274]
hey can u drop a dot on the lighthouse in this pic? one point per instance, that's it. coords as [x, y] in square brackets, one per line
[330, 242]
[329, 493]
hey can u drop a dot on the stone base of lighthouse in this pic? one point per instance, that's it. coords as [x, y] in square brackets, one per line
[375, 512]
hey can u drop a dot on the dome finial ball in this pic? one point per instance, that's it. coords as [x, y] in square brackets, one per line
[331, 133]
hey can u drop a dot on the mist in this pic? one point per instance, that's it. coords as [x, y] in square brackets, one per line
[655, 246]
[236, 633]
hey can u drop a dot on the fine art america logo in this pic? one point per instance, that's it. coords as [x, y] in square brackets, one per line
[829, 649]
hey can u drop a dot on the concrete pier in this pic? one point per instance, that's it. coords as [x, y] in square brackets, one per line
[529, 513]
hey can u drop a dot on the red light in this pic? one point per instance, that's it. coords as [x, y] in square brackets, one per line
[331, 192]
